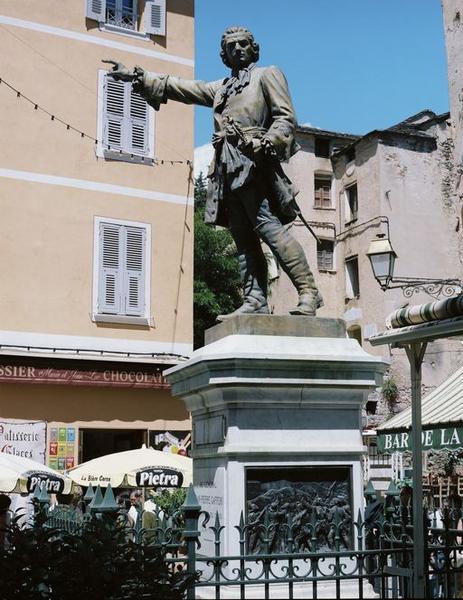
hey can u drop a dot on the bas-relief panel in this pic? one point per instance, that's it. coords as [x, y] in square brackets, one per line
[303, 502]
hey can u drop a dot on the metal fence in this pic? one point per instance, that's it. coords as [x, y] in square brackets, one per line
[310, 557]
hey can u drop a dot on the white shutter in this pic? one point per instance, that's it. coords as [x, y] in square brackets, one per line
[138, 131]
[114, 105]
[134, 285]
[110, 271]
[96, 9]
[155, 17]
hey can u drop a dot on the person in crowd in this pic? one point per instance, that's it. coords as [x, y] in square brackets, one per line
[5, 502]
[136, 507]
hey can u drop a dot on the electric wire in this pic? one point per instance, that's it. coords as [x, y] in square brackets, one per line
[83, 134]
[66, 72]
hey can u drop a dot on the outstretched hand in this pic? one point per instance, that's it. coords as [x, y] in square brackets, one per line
[119, 71]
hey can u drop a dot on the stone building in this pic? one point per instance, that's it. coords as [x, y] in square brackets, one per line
[452, 11]
[398, 182]
[96, 234]
[453, 29]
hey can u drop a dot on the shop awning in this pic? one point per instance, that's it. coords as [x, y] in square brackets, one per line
[442, 417]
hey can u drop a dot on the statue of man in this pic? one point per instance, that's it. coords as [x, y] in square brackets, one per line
[248, 191]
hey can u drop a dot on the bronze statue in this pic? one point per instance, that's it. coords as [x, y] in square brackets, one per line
[248, 191]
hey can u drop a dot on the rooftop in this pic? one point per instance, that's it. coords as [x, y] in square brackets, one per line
[326, 132]
[414, 126]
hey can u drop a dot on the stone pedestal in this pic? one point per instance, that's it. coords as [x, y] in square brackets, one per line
[273, 392]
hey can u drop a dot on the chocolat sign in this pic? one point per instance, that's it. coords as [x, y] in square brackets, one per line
[159, 477]
[108, 378]
[52, 483]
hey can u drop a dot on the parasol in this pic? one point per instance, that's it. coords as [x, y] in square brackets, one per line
[19, 474]
[143, 467]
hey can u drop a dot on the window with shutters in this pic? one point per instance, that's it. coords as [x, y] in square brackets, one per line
[352, 278]
[325, 255]
[322, 191]
[125, 122]
[121, 278]
[122, 16]
[351, 203]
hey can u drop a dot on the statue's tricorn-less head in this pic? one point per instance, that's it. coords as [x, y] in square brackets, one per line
[239, 49]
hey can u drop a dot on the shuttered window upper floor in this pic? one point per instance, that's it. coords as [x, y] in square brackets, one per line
[122, 271]
[133, 17]
[125, 122]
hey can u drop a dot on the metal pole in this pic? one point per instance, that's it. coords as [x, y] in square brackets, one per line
[415, 353]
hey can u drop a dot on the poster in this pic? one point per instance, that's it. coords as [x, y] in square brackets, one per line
[23, 438]
[62, 446]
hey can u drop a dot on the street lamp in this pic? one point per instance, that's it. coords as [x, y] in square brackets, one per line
[382, 258]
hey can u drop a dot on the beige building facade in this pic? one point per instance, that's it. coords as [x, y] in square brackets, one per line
[96, 236]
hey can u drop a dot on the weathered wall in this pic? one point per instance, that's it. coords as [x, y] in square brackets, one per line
[410, 181]
[453, 29]
[302, 169]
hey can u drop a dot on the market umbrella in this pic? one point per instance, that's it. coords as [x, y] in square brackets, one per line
[19, 474]
[143, 467]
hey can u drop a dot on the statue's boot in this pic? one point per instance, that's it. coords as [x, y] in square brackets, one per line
[253, 273]
[291, 257]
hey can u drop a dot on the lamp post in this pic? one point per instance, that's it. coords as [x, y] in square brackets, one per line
[382, 258]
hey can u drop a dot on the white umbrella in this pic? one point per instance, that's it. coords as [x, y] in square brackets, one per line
[19, 474]
[144, 467]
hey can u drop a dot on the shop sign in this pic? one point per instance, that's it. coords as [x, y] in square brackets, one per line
[437, 439]
[51, 483]
[159, 477]
[107, 378]
[23, 438]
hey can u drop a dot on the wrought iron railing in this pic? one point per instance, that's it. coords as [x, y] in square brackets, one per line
[378, 459]
[121, 14]
[334, 556]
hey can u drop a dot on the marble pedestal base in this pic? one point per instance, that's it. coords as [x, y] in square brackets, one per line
[271, 392]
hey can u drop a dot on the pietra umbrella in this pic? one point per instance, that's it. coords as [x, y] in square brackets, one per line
[19, 474]
[143, 467]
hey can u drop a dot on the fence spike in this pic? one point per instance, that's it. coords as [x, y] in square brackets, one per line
[109, 503]
[97, 500]
[370, 490]
[241, 525]
[89, 494]
[392, 490]
[217, 521]
[191, 501]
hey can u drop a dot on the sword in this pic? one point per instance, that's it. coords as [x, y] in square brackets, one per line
[246, 141]
[298, 212]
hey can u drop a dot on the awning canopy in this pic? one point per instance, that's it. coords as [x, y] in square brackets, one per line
[442, 418]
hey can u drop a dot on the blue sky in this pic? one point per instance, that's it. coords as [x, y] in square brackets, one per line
[352, 65]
